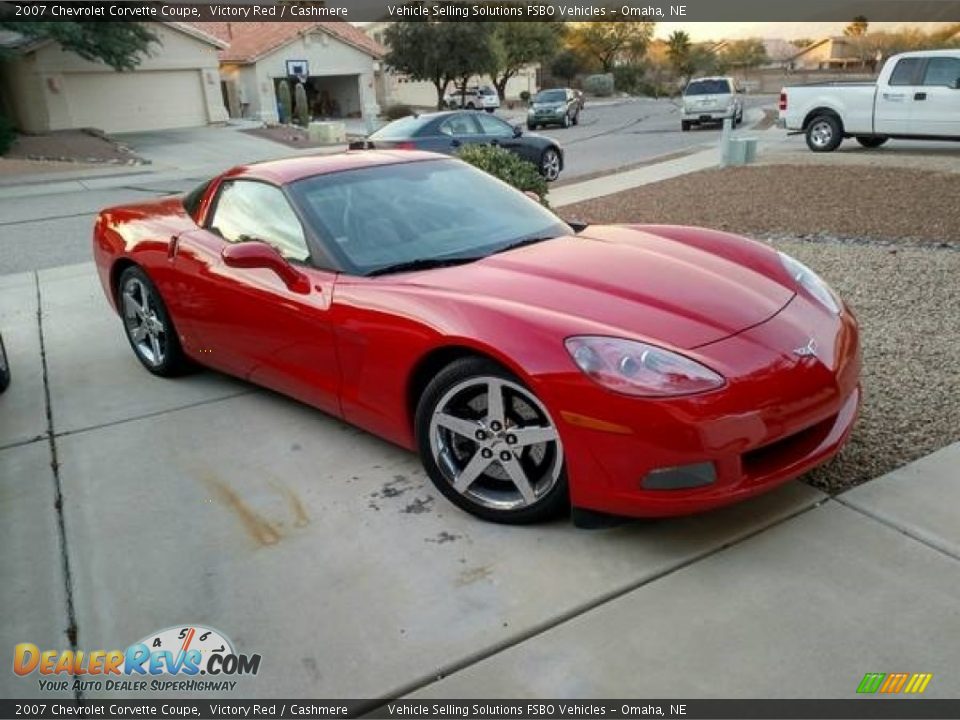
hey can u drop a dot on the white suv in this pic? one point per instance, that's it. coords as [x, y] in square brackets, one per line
[711, 99]
[477, 97]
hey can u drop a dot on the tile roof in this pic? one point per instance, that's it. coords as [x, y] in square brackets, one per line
[250, 41]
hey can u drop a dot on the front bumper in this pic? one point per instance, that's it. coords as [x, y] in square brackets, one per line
[780, 415]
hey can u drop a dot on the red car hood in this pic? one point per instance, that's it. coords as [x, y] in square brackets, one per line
[623, 280]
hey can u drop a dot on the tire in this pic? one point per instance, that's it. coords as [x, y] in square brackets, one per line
[479, 459]
[531, 126]
[871, 141]
[685, 125]
[490, 110]
[148, 326]
[550, 164]
[565, 123]
[824, 133]
[4, 367]
[471, 106]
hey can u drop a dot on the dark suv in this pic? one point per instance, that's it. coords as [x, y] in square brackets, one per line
[559, 106]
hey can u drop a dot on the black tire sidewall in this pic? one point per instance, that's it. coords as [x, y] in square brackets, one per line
[837, 133]
[551, 505]
[174, 363]
[5, 370]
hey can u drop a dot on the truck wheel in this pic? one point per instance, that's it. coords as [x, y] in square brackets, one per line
[871, 141]
[824, 133]
[685, 125]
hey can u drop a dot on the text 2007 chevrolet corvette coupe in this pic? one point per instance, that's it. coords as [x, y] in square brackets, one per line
[632, 370]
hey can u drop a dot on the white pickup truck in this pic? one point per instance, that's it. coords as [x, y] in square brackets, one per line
[916, 97]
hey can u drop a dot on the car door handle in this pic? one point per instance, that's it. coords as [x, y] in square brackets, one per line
[920, 96]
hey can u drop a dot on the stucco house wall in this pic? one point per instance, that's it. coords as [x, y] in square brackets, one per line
[176, 85]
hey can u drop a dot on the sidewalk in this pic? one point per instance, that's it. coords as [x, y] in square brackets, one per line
[374, 586]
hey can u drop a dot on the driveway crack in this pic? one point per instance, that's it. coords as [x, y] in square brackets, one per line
[71, 628]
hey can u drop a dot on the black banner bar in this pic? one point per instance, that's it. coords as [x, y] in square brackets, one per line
[866, 708]
[480, 10]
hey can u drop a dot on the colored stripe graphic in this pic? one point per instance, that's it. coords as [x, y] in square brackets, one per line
[893, 683]
[871, 683]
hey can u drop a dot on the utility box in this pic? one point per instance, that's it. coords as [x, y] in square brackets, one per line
[742, 151]
[328, 133]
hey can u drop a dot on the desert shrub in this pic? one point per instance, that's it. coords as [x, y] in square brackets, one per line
[503, 164]
[7, 134]
[300, 108]
[525, 96]
[599, 85]
[628, 78]
[284, 102]
[395, 112]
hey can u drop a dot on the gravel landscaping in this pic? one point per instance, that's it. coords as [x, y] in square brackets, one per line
[891, 249]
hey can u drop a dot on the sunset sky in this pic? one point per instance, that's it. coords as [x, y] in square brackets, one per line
[785, 30]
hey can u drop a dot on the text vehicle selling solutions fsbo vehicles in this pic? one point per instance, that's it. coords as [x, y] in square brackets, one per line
[643, 370]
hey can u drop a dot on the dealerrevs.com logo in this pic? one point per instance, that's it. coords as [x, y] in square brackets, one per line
[173, 659]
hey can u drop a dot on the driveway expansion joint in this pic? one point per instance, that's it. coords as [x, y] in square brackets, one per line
[572, 614]
[71, 629]
[893, 526]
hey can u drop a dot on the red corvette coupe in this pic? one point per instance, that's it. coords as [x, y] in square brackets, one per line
[630, 370]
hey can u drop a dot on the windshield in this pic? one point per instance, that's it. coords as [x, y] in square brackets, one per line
[399, 129]
[550, 96]
[708, 87]
[377, 217]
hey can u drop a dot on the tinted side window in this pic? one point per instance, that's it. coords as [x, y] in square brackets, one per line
[904, 71]
[494, 126]
[942, 71]
[248, 210]
[191, 201]
[459, 125]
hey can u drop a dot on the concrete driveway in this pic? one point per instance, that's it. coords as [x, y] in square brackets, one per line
[132, 504]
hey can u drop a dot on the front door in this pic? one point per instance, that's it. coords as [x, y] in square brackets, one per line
[936, 100]
[893, 105]
[246, 321]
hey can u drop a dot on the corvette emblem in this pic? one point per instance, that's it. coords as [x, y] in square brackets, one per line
[808, 350]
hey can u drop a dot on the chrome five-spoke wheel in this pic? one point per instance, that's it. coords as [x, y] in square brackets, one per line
[147, 324]
[490, 445]
[550, 164]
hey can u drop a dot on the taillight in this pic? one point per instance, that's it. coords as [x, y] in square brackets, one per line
[783, 101]
[405, 145]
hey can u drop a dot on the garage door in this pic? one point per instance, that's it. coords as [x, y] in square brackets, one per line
[139, 100]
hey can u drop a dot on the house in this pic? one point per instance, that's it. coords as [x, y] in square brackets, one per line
[837, 52]
[45, 87]
[336, 62]
[394, 88]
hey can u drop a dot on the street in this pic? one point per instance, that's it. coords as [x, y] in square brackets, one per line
[50, 230]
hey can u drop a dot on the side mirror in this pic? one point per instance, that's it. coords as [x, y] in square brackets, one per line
[517, 131]
[258, 254]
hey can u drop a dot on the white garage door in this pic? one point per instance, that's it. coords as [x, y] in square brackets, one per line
[139, 100]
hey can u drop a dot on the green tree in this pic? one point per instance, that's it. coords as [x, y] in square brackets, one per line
[566, 65]
[857, 28]
[607, 43]
[285, 102]
[121, 45]
[678, 52]
[518, 43]
[300, 108]
[440, 52]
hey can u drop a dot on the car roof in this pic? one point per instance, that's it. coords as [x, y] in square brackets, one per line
[288, 170]
[943, 52]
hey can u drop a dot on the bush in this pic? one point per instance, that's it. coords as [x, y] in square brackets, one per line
[7, 134]
[599, 85]
[524, 96]
[629, 78]
[395, 112]
[504, 165]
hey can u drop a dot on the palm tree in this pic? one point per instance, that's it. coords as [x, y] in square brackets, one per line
[678, 51]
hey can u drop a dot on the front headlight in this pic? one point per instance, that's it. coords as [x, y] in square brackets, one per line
[636, 368]
[811, 282]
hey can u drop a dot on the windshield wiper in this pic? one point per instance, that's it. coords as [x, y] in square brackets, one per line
[524, 243]
[421, 264]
